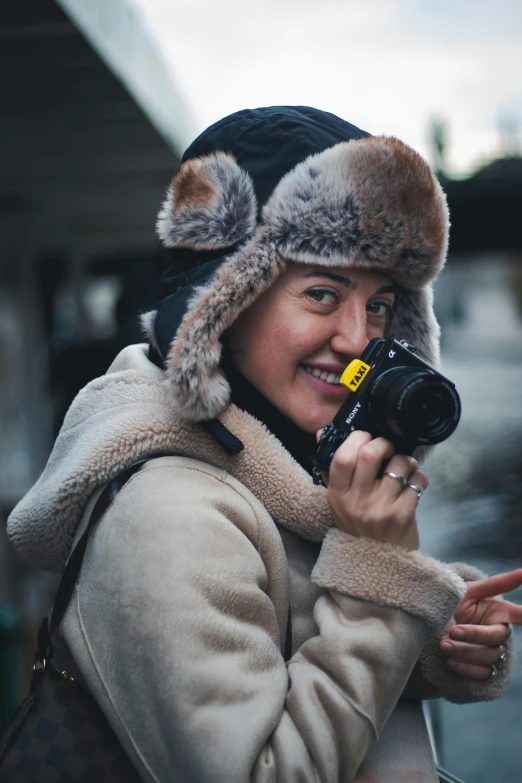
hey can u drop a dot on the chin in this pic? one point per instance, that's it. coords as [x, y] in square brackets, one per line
[313, 425]
[309, 417]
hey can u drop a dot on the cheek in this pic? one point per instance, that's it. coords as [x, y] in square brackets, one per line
[267, 348]
[268, 357]
[285, 347]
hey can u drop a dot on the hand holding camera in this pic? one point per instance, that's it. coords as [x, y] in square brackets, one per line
[367, 506]
[397, 403]
[394, 395]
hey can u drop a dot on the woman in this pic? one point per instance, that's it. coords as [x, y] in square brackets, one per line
[294, 239]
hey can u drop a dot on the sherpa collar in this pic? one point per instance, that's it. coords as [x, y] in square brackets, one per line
[370, 203]
[125, 416]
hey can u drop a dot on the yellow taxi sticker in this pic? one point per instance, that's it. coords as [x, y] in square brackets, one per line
[354, 374]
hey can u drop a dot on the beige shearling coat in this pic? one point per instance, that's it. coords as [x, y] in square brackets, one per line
[179, 617]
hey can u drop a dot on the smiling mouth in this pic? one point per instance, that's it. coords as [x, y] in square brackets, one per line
[329, 377]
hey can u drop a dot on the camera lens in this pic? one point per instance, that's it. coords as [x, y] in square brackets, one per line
[416, 406]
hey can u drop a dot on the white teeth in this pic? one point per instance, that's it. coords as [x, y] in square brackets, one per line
[329, 377]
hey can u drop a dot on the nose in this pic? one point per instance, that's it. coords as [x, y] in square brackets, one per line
[350, 336]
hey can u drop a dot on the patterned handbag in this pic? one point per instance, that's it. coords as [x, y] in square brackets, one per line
[58, 733]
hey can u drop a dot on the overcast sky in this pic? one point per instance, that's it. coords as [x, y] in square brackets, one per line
[388, 66]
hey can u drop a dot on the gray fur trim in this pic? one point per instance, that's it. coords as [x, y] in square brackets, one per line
[449, 684]
[371, 203]
[199, 389]
[210, 204]
[390, 575]
[147, 321]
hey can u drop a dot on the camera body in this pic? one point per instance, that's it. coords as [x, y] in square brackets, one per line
[394, 394]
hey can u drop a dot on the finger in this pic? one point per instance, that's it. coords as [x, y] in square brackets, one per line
[479, 654]
[344, 460]
[369, 460]
[470, 670]
[492, 635]
[408, 498]
[510, 613]
[400, 465]
[501, 583]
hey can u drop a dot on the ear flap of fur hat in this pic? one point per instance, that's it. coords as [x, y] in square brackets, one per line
[199, 389]
[210, 204]
[365, 204]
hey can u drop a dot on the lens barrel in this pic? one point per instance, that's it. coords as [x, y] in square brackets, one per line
[412, 404]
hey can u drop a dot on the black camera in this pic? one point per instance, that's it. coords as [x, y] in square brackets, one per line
[395, 395]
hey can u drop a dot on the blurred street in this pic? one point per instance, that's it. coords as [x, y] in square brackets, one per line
[472, 511]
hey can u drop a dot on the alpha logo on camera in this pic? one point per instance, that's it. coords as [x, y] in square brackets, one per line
[354, 374]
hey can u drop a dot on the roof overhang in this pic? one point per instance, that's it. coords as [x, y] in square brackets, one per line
[119, 33]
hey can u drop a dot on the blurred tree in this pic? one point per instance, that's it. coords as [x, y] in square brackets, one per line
[509, 130]
[439, 141]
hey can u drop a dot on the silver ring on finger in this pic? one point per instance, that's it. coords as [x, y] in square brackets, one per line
[416, 488]
[402, 481]
[494, 673]
[503, 658]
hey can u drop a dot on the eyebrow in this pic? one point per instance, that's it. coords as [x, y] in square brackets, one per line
[348, 283]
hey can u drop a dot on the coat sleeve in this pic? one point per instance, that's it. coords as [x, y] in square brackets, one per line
[177, 623]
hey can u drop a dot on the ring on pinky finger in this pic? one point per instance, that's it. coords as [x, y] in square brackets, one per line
[416, 488]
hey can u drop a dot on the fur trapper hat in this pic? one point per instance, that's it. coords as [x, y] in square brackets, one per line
[268, 186]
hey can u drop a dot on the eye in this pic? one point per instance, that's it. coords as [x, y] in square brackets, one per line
[380, 309]
[323, 296]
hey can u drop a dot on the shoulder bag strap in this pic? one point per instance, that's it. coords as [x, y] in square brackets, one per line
[74, 563]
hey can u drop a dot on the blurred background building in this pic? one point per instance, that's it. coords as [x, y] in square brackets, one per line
[85, 156]
[99, 99]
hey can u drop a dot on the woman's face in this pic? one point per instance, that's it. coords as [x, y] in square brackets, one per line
[296, 339]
